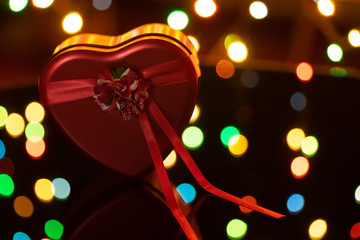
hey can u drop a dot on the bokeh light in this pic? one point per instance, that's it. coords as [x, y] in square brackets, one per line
[34, 131]
[42, 3]
[7, 166]
[35, 149]
[250, 78]
[237, 51]
[15, 125]
[317, 229]
[54, 229]
[23, 206]
[355, 231]
[72, 23]
[225, 69]
[236, 229]
[195, 42]
[17, 5]
[192, 137]
[34, 112]
[326, 7]
[335, 52]
[298, 101]
[354, 37]
[2, 149]
[294, 138]
[6, 185]
[304, 71]
[295, 203]
[170, 160]
[21, 236]
[205, 8]
[238, 145]
[258, 10]
[309, 146]
[357, 194]
[230, 38]
[178, 20]
[250, 199]
[338, 72]
[299, 167]
[195, 115]
[187, 192]
[3, 116]
[227, 133]
[101, 4]
[60, 188]
[43, 190]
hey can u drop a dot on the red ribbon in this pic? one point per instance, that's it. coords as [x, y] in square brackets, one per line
[162, 74]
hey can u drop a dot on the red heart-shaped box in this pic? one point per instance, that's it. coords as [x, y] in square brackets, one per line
[171, 60]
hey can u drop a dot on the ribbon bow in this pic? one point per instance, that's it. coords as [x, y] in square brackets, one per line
[159, 75]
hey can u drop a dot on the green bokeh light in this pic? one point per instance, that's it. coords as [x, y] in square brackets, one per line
[192, 137]
[54, 229]
[230, 38]
[17, 5]
[34, 129]
[227, 133]
[309, 146]
[236, 229]
[3, 116]
[335, 52]
[6, 185]
[178, 20]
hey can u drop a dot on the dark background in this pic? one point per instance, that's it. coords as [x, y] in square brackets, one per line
[332, 114]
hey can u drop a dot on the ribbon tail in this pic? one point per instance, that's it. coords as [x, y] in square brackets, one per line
[164, 179]
[193, 168]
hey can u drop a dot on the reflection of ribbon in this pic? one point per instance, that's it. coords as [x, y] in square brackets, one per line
[163, 74]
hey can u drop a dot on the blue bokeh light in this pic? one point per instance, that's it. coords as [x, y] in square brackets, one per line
[187, 192]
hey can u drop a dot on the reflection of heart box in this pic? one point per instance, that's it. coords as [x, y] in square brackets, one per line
[106, 137]
[131, 210]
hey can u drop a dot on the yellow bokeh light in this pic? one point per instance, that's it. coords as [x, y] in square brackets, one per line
[15, 125]
[205, 8]
[258, 10]
[34, 112]
[195, 42]
[237, 51]
[326, 7]
[304, 71]
[294, 138]
[317, 229]
[72, 23]
[23, 206]
[354, 37]
[195, 115]
[225, 68]
[42, 3]
[43, 190]
[299, 167]
[238, 145]
[170, 160]
[3, 116]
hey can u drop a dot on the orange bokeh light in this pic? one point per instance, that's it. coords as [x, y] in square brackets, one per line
[304, 72]
[300, 167]
[250, 199]
[35, 149]
[225, 68]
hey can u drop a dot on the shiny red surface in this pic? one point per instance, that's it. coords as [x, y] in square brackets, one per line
[106, 137]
